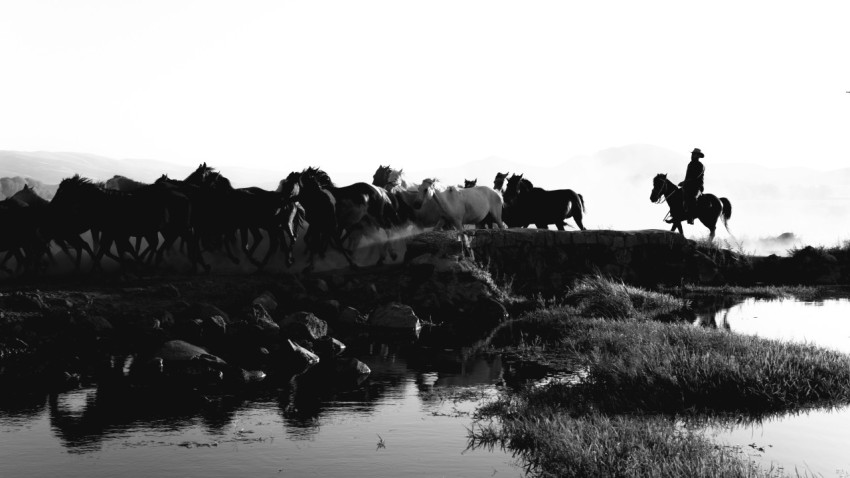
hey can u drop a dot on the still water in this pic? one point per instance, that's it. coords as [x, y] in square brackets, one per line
[409, 418]
[810, 443]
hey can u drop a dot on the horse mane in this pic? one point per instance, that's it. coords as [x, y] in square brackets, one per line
[517, 182]
[216, 180]
[320, 176]
[76, 181]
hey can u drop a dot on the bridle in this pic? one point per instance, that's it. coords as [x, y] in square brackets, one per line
[664, 196]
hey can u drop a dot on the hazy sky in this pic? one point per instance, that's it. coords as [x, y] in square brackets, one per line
[352, 84]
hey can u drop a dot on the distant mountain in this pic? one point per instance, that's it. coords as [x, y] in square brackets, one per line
[10, 186]
[51, 168]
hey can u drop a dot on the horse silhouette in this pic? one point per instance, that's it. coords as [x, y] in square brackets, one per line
[20, 235]
[251, 210]
[541, 207]
[499, 182]
[117, 215]
[320, 213]
[360, 208]
[709, 208]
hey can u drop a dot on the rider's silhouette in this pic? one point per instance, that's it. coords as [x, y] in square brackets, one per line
[692, 186]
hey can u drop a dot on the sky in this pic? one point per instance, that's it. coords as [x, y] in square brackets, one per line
[352, 84]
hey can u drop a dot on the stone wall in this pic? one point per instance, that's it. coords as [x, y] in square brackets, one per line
[547, 261]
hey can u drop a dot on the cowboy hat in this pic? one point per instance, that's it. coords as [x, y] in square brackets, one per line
[697, 152]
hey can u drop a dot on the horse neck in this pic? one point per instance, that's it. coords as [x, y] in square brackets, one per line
[669, 188]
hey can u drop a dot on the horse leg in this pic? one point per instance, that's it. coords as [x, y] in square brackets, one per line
[8, 256]
[559, 225]
[229, 239]
[257, 237]
[337, 241]
[578, 219]
[274, 245]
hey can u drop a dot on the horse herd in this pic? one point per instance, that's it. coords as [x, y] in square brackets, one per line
[204, 214]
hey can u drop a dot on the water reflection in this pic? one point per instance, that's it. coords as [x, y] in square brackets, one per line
[416, 400]
[811, 442]
[823, 323]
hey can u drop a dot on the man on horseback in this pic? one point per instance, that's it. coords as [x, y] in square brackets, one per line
[692, 186]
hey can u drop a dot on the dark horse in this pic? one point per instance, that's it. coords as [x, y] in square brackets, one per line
[119, 216]
[358, 207]
[709, 207]
[526, 204]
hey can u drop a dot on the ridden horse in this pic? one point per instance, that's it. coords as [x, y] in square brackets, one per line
[468, 183]
[709, 208]
[531, 205]
[358, 207]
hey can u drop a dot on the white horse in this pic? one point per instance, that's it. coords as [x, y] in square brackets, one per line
[478, 205]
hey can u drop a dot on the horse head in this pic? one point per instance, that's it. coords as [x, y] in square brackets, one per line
[469, 183]
[75, 189]
[427, 189]
[199, 176]
[382, 176]
[289, 187]
[659, 187]
[499, 182]
[513, 188]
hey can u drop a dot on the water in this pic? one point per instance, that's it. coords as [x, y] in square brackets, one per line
[814, 442]
[410, 418]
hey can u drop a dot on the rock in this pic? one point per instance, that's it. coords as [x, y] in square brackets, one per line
[214, 326]
[350, 367]
[316, 286]
[351, 316]
[297, 357]
[265, 325]
[26, 301]
[304, 325]
[203, 310]
[267, 300]
[169, 291]
[327, 348]
[180, 363]
[327, 310]
[395, 316]
[95, 325]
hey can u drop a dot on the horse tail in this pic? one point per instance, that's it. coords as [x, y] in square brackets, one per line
[726, 214]
[581, 202]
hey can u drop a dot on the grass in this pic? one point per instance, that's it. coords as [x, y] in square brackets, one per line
[555, 444]
[598, 296]
[641, 378]
[800, 292]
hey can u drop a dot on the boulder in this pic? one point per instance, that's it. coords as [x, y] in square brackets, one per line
[351, 316]
[304, 325]
[267, 300]
[395, 316]
[297, 357]
[328, 347]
